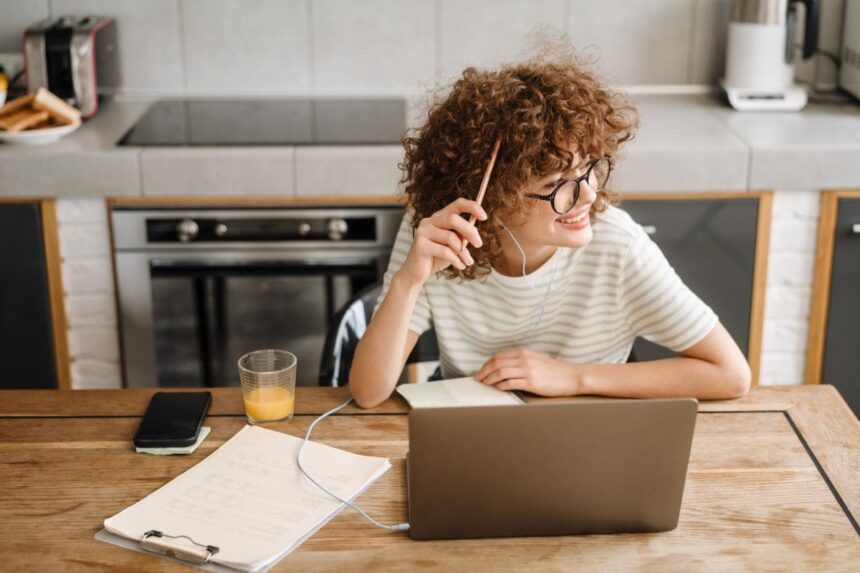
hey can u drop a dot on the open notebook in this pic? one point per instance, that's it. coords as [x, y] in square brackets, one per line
[455, 392]
[249, 500]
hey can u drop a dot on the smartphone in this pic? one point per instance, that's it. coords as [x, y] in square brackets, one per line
[172, 419]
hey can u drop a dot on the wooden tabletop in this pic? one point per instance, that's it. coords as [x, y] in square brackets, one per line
[773, 484]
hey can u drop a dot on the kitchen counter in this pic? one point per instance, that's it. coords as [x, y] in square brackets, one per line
[772, 484]
[685, 143]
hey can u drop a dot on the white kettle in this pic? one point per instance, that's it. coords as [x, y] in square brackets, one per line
[760, 53]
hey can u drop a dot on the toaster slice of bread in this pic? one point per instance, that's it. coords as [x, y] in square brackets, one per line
[17, 103]
[23, 119]
[57, 108]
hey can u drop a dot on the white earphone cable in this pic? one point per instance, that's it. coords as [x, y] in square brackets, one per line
[397, 527]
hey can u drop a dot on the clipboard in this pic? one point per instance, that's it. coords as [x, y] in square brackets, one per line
[248, 485]
[120, 541]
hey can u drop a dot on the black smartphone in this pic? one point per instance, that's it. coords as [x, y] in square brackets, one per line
[172, 419]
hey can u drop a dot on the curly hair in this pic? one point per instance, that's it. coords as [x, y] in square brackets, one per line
[537, 109]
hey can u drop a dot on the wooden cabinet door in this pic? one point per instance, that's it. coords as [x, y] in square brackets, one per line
[711, 244]
[841, 366]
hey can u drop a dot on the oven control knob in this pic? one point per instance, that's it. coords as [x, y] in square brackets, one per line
[220, 230]
[304, 229]
[336, 229]
[187, 230]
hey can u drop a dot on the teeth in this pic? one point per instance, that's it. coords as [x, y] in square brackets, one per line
[576, 219]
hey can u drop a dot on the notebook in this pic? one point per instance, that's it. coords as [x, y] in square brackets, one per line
[249, 500]
[455, 392]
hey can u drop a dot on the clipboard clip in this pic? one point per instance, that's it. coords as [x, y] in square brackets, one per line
[154, 542]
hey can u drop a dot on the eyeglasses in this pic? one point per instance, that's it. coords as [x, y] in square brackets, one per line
[566, 192]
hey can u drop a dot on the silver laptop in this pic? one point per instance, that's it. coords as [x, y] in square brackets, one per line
[591, 466]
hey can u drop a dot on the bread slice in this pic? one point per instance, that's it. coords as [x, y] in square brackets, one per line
[17, 103]
[23, 119]
[57, 108]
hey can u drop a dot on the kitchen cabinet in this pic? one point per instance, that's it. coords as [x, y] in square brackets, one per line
[33, 348]
[834, 332]
[717, 243]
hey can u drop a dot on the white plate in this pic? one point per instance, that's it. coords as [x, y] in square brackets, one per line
[37, 136]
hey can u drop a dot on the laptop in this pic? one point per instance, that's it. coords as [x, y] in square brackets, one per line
[583, 467]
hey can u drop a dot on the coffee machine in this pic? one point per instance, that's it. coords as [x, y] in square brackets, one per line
[760, 53]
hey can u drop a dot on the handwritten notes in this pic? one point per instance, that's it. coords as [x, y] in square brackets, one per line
[249, 499]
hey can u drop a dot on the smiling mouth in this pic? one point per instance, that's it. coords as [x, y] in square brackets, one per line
[574, 218]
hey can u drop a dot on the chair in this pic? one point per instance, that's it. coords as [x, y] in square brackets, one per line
[346, 329]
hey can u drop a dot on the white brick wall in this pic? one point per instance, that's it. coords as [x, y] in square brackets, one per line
[791, 261]
[89, 293]
[92, 320]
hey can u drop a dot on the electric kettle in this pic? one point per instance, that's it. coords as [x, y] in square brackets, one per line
[760, 53]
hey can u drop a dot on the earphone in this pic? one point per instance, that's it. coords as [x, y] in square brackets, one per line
[548, 286]
[397, 527]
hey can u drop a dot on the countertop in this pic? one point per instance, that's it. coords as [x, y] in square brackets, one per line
[772, 484]
[685, 143]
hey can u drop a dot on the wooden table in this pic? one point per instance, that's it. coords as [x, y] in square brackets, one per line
[772, 486]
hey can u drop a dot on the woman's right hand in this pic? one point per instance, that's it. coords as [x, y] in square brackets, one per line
[438, 241]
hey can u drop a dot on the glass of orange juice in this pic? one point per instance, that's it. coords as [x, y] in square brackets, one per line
[268, 385]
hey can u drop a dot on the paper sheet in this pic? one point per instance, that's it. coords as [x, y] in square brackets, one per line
[248, 498]
[456, 392]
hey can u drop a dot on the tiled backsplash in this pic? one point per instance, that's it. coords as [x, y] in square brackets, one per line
[397, 46]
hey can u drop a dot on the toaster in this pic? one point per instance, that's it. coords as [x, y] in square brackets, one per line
[63, 54]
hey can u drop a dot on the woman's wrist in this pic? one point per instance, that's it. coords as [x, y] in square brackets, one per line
[403, 281]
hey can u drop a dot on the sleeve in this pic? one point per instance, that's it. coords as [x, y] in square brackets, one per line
[658, 306]
[421, 320]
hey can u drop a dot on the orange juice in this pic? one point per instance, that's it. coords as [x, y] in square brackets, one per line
[269, 404]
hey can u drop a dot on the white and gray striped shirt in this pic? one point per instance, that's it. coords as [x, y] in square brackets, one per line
[603, 296]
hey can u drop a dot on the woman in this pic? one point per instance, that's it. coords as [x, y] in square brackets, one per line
[555, 283]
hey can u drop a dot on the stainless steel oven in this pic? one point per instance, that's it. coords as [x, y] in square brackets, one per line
[199, 287]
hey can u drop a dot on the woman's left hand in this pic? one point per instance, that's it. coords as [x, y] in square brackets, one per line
[531, 371]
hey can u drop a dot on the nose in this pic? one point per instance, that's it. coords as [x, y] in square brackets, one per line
[586, 193]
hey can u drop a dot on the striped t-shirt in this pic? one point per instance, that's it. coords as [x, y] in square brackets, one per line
[602, 296]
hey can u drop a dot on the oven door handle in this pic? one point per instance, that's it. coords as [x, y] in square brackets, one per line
[184, 266]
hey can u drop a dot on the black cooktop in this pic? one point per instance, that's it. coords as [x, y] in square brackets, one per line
[186, 122]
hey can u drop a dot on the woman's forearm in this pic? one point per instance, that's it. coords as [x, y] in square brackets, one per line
[380, 354]
[681, 376]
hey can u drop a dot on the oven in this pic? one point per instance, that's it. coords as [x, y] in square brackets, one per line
[198, 287]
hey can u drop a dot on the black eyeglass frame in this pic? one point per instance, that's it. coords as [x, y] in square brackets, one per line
[577, 180]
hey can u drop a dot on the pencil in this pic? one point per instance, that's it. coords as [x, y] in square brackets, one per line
[484, 183]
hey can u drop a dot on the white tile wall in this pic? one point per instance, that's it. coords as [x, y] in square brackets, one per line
[150, 53]
[292, 46]
[15, 16]
[374, 45]
[483, 33]
[240, 47]
[636, 42]
[710, 27]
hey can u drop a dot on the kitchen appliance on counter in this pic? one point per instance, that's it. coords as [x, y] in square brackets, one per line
[849, 73]
[273, 121]
[760, 53]
[200, 287]
[71, 56]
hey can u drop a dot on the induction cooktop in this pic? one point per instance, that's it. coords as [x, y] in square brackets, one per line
[198, 122]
